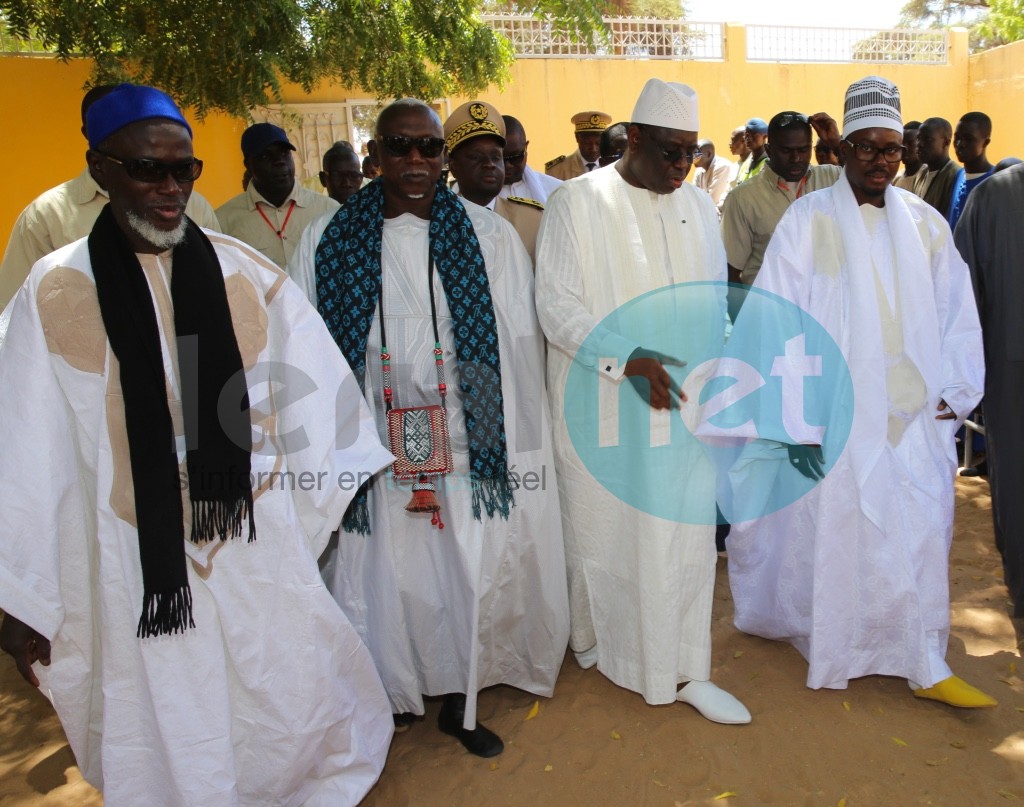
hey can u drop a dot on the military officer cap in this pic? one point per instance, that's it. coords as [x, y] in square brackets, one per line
[473, 119]
[591, 121]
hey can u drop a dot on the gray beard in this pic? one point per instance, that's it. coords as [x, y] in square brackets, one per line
[161, 239]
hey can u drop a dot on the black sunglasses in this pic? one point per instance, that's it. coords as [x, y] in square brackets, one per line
[399, 145]
[675, 155]
[516, 158]
[155, 172]
[784, 119]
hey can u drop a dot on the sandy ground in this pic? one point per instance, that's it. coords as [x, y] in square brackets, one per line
[595, 744]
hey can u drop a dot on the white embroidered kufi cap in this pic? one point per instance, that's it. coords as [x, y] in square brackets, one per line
[665, 103]
[872, 103]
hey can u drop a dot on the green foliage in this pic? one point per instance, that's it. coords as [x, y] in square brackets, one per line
[942, 13]
[659, 9]
[990, 22]
[1005, 22]
[232, 55]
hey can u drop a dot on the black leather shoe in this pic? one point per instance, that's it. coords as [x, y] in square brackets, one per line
[480, 741]
[403, 720]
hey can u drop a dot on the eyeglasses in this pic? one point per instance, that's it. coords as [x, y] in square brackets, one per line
[867, 153]
[516, 158]
[675, 155]
[399, 145]
[155, 172]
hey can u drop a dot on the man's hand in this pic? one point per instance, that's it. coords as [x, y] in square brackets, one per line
[826, 128]
[25, 646]
[946, 415]
[807, 460]
[646, 372]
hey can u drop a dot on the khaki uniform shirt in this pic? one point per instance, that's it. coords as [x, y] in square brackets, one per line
[61, 216]
[753, 209]
[564, 168]
[525, 216]
[240, 218]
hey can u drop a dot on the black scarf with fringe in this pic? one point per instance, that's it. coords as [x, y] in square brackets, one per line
[217, 439]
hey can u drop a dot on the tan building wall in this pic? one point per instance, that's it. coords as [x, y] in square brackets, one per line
[40, 104]
[40, 99]
[544, 94]
[996, 88]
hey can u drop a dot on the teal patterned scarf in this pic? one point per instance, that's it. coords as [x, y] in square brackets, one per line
[348, 283]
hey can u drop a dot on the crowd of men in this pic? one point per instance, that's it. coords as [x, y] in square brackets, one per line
[353, 420]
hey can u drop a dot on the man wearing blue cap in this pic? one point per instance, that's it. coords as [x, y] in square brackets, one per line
[66, 213]
[274, 209]
[755, 135]
[160, 563]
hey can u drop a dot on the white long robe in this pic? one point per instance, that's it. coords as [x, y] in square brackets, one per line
[533, 185]
[854, 574]
[640, 586]
[478, 603]
[272, 699]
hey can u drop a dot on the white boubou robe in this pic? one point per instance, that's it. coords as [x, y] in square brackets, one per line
[640, 586]
[272, 698]
[854, 574]
[482, 602]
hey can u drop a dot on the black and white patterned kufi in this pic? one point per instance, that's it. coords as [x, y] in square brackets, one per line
[872, 103]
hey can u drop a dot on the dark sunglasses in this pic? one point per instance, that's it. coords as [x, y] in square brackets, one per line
[154, 171]
[784, 119]
[399, 145]
[516, 158]
[675, 155]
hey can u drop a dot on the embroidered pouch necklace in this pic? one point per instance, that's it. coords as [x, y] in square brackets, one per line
[418, 435]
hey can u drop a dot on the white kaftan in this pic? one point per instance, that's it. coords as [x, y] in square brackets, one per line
[854, 574]
[640, 586]
[272, 699]
[533, 185]
[478, 603]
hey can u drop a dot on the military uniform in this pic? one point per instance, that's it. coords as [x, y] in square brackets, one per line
[480, 119]
[524, 215]
[564, 167]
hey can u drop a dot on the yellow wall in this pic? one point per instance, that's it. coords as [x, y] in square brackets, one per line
[996, 88]
[40, 99]
[544, 94]
[40, 104]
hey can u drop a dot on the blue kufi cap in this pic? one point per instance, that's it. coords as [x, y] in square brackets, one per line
[126, 104]
[757, 126]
